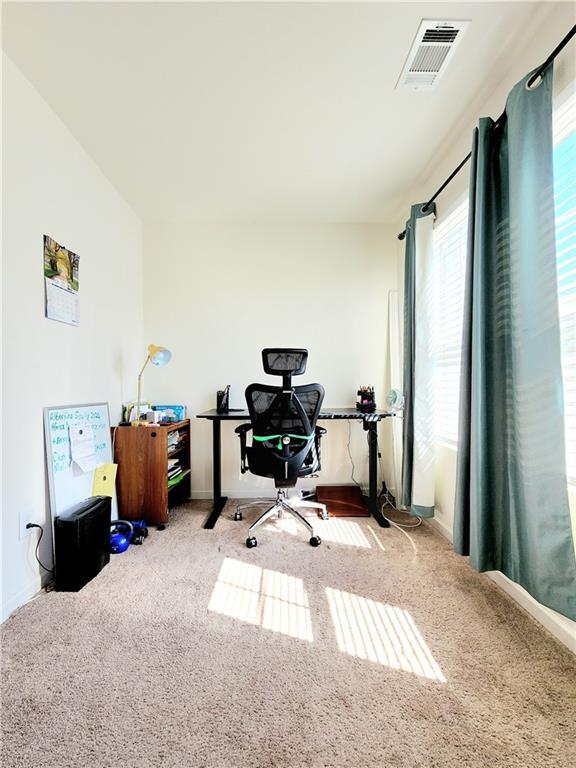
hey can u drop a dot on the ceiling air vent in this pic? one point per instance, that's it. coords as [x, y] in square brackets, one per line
[431, 51]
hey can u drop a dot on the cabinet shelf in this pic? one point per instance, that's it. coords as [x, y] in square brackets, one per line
[181, 476]
[178, 450]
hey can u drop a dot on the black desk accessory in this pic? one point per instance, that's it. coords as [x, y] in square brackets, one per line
[365, 401]
[223, 401]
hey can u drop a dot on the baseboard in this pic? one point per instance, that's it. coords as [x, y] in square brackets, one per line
[20, 598]
[561, 627]
[441, 527]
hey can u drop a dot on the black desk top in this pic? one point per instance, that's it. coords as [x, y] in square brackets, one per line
[325, 413]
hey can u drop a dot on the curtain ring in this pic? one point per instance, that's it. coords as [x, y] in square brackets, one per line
[536, 84]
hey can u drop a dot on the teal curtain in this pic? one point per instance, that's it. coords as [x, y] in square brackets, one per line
[511, 506]
[417, 472]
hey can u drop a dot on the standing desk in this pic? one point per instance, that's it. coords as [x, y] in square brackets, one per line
[371, 426]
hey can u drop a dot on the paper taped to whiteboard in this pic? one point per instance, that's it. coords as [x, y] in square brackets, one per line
[83, 447]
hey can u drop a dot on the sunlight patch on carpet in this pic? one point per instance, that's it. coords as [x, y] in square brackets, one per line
[334, 530]
[382, 633]
[260, 596]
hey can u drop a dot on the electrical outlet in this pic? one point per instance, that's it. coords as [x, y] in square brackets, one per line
[26, 516]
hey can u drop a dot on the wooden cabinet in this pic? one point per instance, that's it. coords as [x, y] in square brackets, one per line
[143, 485]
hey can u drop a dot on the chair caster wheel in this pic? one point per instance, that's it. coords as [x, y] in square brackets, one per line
[237, 516]
[161, 527]
[315, 541]
[251, 542]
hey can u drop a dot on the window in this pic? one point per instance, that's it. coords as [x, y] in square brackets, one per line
[450, 237]
[565, 211]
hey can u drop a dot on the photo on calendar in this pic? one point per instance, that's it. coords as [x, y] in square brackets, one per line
[61, 278]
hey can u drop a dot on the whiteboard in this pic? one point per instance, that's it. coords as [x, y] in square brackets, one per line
[68, 484]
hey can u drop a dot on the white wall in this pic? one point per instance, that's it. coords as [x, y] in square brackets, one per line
[549, 27]
[217, 295]
[51, 186]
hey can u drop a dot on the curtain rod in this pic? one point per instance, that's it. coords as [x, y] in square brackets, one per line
[530, 82]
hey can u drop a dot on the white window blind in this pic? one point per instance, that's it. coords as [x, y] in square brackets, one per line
[565, 211]
[450, 235]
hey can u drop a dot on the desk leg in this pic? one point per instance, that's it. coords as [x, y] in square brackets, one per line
[373, 506]
[219, 500]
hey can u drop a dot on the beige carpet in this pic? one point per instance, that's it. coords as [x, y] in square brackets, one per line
[369, 651]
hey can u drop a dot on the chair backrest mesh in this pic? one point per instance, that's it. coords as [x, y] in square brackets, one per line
[274, 412]
[283, 362]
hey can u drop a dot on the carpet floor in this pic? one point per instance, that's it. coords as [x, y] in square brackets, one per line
[376, 649]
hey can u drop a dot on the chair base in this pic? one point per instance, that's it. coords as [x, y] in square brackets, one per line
[283, 505]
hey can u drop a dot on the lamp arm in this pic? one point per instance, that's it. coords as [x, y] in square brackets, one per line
[144, 366]
[139, 388]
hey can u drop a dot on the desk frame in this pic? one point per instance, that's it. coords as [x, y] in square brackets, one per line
[325, 414]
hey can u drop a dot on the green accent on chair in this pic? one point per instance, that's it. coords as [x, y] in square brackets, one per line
[266, 438]
[511, 506]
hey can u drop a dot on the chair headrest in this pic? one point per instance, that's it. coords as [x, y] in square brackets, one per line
[284, 361]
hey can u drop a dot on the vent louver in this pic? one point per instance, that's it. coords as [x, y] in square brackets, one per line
[432, 49]
[440, 35]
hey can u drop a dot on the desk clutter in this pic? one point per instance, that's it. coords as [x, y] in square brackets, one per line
[153, 414]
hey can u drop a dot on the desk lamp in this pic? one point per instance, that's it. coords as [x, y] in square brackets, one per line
[158, 356]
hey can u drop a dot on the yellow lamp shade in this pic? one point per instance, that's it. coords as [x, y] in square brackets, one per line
[159, 356]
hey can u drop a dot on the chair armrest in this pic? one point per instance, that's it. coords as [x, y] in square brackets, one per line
[242, 431]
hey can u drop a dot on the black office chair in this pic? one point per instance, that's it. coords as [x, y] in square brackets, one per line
[285, 438]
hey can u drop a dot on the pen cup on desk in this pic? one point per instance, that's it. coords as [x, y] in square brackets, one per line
[223, 399]
[365, 400]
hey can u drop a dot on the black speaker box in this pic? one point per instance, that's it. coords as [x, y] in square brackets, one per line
[82, 543]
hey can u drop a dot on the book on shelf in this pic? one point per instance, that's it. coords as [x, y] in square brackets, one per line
[174, 468]
[172, 481]
[173, 437]
[174, 441]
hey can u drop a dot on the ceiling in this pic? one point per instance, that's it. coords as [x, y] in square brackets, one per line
[254, 111]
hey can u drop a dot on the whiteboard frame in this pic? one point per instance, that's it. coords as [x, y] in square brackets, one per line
[54, 512]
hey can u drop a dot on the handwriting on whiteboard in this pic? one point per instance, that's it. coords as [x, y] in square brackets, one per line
[60, 421]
